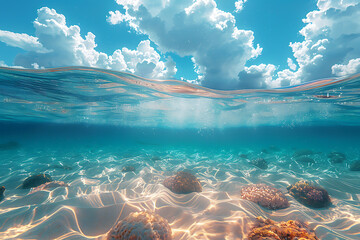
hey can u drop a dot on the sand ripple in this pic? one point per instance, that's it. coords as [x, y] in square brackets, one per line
[100, 194]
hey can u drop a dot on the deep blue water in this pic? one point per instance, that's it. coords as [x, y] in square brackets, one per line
[321, 137]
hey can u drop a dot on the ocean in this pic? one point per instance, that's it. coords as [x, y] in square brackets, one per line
[113, 142]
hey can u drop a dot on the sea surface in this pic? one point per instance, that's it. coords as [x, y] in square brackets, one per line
[82, 126]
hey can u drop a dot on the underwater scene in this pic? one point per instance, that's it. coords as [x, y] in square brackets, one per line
[88, 153]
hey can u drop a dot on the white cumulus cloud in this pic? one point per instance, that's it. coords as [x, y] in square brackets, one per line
[352, 67]
[291, 64]
[2, 64]
[23, 41]
[256, 76]
[219, 50]
[198, 29]
[56, 44]
[117, 17]
[331, 43]
[239, 5]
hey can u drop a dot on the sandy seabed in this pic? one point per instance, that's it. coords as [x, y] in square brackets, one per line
[100, 194]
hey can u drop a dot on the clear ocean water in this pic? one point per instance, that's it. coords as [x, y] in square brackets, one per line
[82, 126]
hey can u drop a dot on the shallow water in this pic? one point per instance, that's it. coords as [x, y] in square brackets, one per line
[88, 95]
[67, 124]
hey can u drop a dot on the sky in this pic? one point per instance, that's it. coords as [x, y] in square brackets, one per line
[220, 44]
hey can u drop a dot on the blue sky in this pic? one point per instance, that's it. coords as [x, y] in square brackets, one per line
[229, 48]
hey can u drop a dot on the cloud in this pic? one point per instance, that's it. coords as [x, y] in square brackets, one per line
[2, 64]
[331, 43]
[57, 44]
[291, 64]
[117, 17]
[256, 76]
[145, 61]
[194, 28]
[219, 50]
[239, 5]
[347, 69]
[22, 41]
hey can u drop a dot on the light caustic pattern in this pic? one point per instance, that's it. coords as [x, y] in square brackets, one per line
[90, 95]
[100, 194]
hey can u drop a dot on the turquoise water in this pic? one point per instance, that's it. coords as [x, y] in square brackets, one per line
[86, 95]
[83, 125]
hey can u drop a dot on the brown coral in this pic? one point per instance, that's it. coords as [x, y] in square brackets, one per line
[141, 226]
[355, 166]
[264, 195]
[9, 145]
[271, 230]
[260, 163]
[309, 194]
[128, 168]
[2, 190]
[183, 182]
[36, 180]
[305, 160]
[49, 185]
[336, 157]
[303, 152]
